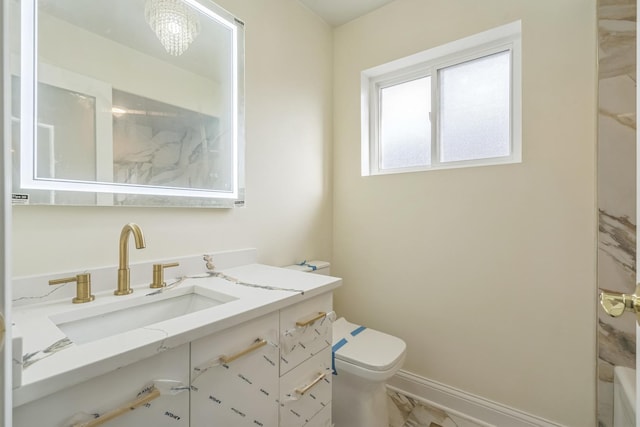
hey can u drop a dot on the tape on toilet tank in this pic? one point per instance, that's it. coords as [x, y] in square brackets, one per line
[305, 264]
[313, 265]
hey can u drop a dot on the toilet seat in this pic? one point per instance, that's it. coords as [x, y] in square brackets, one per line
[343, 367]
[366, 350]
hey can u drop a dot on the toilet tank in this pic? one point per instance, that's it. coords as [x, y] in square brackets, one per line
[317, 267]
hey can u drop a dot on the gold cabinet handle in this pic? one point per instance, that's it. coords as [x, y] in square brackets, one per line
[301, 391]
[616, 303]
[115, 413]
[83, 287]
[259, 342]
[306, 322]
[158, 274]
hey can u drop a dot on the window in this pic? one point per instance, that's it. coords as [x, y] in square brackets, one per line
[455, 105]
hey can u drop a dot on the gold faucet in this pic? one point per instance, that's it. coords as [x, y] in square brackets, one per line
[123, 270]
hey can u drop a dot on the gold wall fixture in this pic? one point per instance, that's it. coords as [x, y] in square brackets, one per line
[615, 303]
[83, 287]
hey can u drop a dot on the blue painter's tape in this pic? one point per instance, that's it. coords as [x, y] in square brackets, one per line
[333, 364]
[306, 264]
[337, 346]
[358, 330]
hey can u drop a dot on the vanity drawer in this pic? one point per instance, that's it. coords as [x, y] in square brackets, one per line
[234, 376]
[118, 389]
[305, 331]
[306, 390]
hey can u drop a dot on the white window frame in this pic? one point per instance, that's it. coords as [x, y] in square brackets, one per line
[427, 63]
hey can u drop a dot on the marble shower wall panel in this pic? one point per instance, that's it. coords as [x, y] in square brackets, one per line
[616, 188]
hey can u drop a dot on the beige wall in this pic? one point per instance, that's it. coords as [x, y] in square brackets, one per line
[487, 273]
[288, 127]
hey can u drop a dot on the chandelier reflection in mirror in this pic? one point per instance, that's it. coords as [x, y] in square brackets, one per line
[175, 23]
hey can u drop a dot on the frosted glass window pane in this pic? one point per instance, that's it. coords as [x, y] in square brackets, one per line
[405, 126]
[475, 109]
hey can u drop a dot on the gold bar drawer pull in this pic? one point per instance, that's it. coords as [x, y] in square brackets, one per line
[253, 347]
[115, 413]
[301, 391]
[306, 322]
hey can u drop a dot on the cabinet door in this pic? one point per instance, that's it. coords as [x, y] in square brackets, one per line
[306, 390]
[117, 389]
[305, 330]
[234, 376]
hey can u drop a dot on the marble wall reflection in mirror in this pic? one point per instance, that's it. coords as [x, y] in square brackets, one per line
[127, 102]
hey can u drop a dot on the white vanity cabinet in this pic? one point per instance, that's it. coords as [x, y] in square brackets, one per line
[80, 403]
[234, 376]
[305, 362]
[273, 370]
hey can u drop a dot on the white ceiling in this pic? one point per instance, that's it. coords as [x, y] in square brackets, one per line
[338, 12]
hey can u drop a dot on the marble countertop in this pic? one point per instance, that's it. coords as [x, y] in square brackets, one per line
[51, 361]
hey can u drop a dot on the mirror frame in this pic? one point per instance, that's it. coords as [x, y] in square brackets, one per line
[28, 122]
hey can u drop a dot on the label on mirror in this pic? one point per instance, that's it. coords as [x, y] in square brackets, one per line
[19, 199]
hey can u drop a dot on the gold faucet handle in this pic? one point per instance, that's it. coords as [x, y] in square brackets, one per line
[83, 287]
[158, 274]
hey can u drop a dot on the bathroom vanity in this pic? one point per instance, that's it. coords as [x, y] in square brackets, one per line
[242, 344]
[141, 124]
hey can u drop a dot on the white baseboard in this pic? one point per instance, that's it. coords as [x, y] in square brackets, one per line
[462, 404]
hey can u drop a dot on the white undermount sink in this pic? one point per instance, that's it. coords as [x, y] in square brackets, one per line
[83, 325]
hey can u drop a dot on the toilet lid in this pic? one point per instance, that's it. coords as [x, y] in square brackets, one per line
[366, 347]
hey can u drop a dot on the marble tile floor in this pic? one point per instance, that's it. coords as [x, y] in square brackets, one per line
[405, 411]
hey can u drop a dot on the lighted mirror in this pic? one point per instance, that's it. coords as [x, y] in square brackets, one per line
[127, 102]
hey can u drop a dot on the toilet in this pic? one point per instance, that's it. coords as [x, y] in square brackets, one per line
[363, 360]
